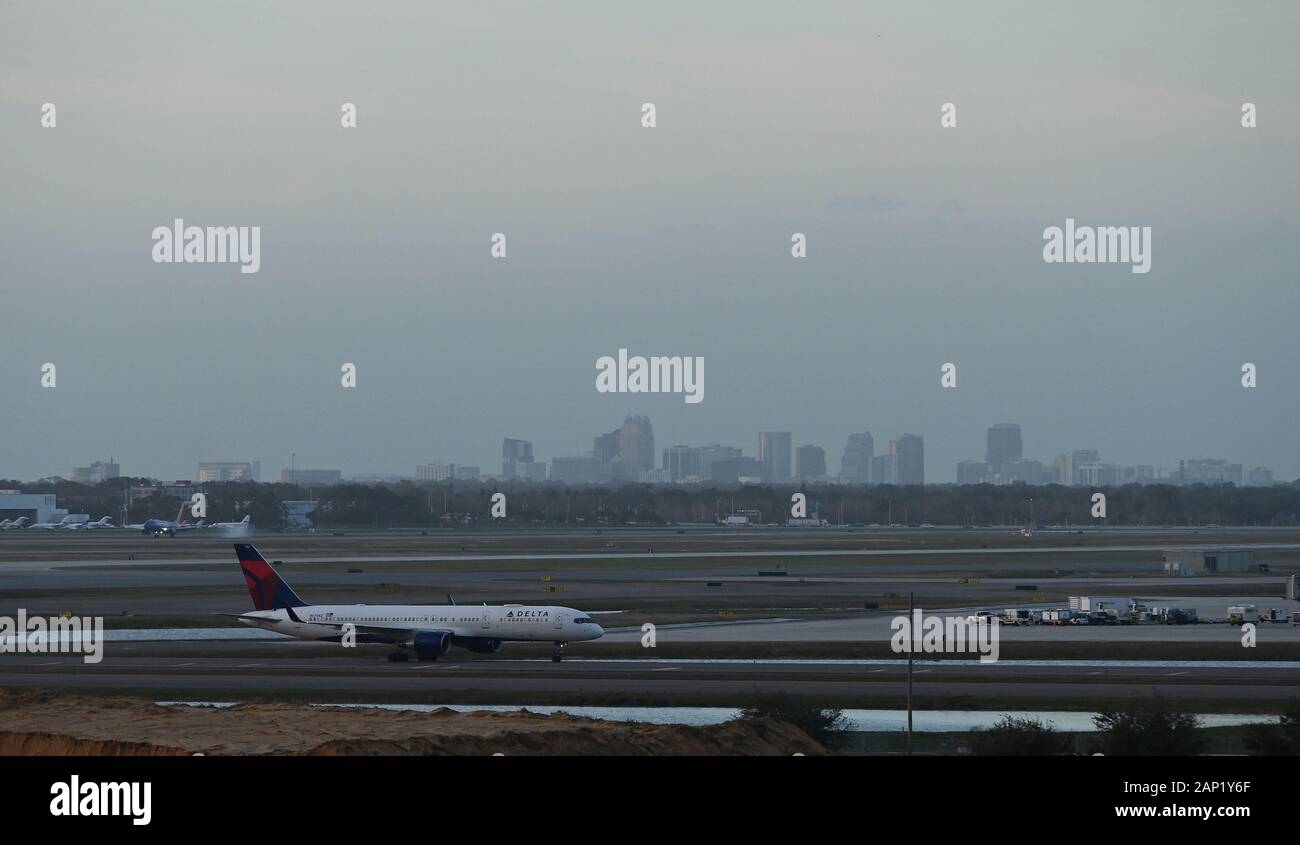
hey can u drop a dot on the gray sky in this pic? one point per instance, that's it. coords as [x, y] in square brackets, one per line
[925, 244]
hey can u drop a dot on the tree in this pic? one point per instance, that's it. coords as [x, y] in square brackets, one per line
[1151, 728]
[824, 724]
[1276, 739]
[1014, 737]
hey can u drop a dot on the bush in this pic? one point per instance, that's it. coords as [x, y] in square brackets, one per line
[1012, 737]
[1149, 729]
[1278, 739]
[824, 724]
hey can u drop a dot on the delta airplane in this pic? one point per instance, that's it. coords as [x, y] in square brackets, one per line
[427, 630]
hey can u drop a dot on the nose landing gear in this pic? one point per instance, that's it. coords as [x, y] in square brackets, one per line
[559, 649]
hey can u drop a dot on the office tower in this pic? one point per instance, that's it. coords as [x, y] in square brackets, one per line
[227, 471]
[809, 462]
[774, 448]
[974, 472]
[1003, 445]
[604, 447]
[513, 453]
[855, 465]
[713, 453]
[1078, 458]
[884, 468]
[910, 449]
[97, 472]
[636, 446]
[682, 462]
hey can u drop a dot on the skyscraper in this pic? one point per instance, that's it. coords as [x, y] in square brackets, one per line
[855, 465]
[513, 453]
[774, 448]
[809, 462]
[910, 449]
[1004, 445]
[636, 445]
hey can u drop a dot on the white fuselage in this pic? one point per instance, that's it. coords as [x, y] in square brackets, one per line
[508, 623]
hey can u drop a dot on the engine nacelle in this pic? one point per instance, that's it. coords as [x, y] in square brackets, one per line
[431, 645]
[479, 645]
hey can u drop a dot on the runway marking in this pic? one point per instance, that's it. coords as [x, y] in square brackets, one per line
[666, 669]
[874, 671]
[1096, 673]
[51, 663]
[248, 665]
[180, 665]
[1171, 674]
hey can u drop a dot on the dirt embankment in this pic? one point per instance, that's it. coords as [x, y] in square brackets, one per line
[41, 722]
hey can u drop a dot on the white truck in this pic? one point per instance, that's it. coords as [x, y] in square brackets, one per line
[1240, 614]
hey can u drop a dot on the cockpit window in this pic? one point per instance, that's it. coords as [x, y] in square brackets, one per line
[582, 620]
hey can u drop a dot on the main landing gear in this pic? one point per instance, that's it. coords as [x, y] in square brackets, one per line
[559, 649]
[398, 657]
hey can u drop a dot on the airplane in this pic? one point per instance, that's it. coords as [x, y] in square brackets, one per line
[427, 630]
[14, 524]
[105, 522]
[244, 524]
[164, 528]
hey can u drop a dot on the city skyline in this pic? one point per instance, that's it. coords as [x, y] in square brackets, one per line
[923, 243]
[856, 462]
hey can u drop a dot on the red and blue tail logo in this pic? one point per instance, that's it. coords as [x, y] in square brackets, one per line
[267, 588]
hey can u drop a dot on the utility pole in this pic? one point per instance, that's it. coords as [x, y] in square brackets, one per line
[911, 648]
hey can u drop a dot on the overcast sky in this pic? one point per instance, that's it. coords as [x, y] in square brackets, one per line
[924, 243]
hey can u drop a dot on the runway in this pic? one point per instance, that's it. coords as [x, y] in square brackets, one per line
[341, 679]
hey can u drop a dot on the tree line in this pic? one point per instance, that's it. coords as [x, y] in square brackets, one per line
[460, 503]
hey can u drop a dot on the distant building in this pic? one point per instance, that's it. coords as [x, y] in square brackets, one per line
[1079, 458]
[311, 477]
[37, 507]
[466, 472]
[910, 449]
[1023, 471]
[1209, 471]
[855, 465]
[435, 472]
[1260, 477]
[711, 454]
[1202, 561]
[974, 472]
[681, 463]
[535, 471]
[809, 462]
[513, 454]
[636, 445]
[735, 470]
[97, 473]
[577, 470]
[1004, 445]
[209, 471]
[884, 468]
[774, 451]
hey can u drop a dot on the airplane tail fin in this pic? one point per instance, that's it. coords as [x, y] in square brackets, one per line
[267, 589]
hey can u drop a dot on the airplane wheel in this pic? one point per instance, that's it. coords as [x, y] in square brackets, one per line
[555, 658]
